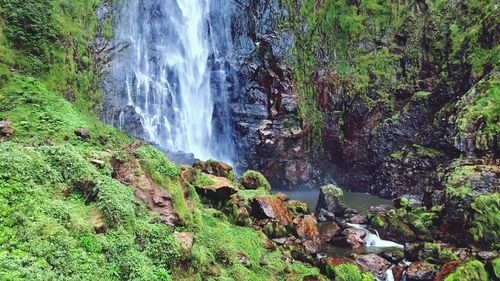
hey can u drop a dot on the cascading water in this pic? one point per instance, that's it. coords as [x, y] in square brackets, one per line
[166, 83]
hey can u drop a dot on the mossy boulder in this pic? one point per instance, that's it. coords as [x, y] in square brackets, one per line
[347, 272]
[331, 198]
[470, 271]
[254, 180]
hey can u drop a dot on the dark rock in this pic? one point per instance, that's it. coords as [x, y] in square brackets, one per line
[82, 133]
[420, 271]
[393, 255]
[311, 278]
[331, 198]
[324, 215]
[6, 129]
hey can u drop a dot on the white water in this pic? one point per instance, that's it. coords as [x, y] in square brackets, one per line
[372, 240]
[166, 78]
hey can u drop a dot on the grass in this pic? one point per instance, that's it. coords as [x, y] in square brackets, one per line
[220, 242]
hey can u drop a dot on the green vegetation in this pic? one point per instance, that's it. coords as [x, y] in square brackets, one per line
[479, 112]
[486, 219]
[262, 183]
[219, 246]
[53, 40]
[348, 272]
[373, 49]
[470, 271]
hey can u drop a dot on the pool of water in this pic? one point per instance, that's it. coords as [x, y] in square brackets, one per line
[354, 200]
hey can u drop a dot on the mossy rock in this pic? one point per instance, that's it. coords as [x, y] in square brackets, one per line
[470, 271]
[347, 272]
[254, 180]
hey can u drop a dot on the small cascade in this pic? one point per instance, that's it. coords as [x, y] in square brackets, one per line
[373, 240]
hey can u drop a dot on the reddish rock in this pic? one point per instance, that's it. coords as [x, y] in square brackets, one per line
[221, 190]
[338, 261]
[373, 263]
[158, 200]
[397, 272]
[327, 230]
[270, 207]
[420, 271]
[215, 168]
[351, 238]
[447, 269]
[307, 229]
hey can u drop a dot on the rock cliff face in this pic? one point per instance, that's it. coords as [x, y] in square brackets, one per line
[389, 137]
[384, 131]
[269, 133]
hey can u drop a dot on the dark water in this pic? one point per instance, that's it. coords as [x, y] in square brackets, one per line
[354, 200]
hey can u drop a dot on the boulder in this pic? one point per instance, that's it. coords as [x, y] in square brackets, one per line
[307, 229]
[331, 198]
[254, 180]
[298, 207]
[215, 168]
[6, 129]
[327, 230]
[420, 271]
[220, 190]
[351, 238]
[324, 215]
[271, 207]
[373, 263]
[82, 133]
[359, 219]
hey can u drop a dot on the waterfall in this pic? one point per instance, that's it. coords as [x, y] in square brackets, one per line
[166, 82]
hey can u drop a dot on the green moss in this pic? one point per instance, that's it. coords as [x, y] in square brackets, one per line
[332, 190]
[348, 272]
[438, 253]
[479, 112]
[426, 152]
[378, 221]
[421, 95]
[470, 271]
[165, 173]
[496, 267]
[219, 242]
[262, 183]
[202, 179]
[486, 219]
